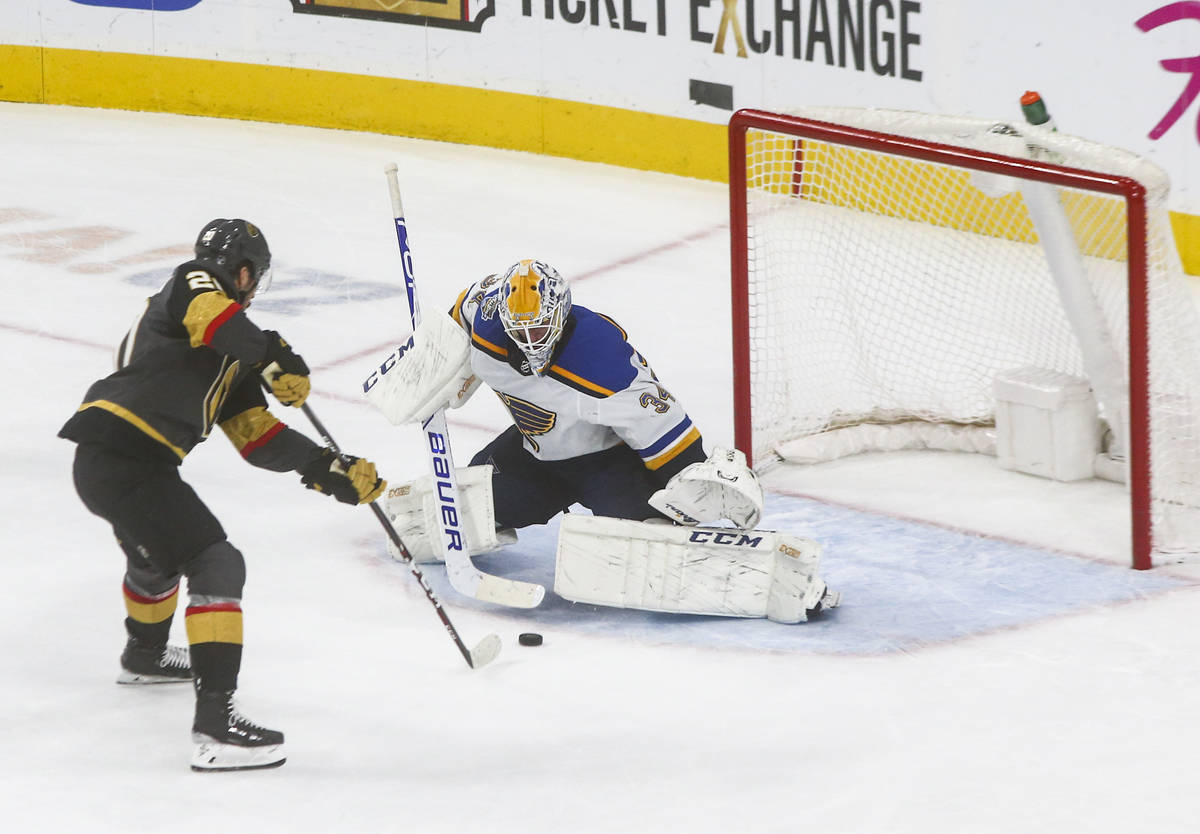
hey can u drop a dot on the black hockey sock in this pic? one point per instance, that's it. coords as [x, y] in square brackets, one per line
[215, 634]
[216, 666]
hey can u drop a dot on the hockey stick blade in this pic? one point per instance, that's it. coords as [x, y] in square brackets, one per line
[510, 592]
[485, 652]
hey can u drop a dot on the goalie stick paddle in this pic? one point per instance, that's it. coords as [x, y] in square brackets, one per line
[464, 576]
[489, 647]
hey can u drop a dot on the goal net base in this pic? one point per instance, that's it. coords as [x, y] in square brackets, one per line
[968, 492]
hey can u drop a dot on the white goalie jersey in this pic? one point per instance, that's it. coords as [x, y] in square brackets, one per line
[597, 392]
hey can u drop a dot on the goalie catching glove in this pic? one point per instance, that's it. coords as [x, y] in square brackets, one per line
[356, 484]
[431, 372]
[720, 487]
[285, 371]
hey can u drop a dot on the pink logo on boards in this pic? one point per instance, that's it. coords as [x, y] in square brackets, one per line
[1187, 10]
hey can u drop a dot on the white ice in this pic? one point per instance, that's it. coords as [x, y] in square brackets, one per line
[967, 684]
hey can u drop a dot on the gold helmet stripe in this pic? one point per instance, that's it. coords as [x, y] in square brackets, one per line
[524, 299]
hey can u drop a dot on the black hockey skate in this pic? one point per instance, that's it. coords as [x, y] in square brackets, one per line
[154, 664]
[227, 740]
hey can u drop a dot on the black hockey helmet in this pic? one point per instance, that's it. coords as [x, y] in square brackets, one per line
[231, 244]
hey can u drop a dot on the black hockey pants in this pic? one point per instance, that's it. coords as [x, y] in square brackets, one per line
[159, 520]
[526, 490]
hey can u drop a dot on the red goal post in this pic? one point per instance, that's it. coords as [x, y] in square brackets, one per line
[778, 162]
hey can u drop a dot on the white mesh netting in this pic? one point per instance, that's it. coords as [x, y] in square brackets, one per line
[888, 291]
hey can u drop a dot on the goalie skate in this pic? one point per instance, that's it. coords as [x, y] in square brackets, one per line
[829, 599]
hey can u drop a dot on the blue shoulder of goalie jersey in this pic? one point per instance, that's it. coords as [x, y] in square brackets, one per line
[476, 312]
[596, 359]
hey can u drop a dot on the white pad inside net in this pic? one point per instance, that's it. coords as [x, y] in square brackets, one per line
[889, 292]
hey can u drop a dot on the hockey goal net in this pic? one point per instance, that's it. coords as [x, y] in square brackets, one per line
[889, 267]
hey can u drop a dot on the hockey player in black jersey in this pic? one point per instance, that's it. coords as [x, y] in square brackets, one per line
[194, 360]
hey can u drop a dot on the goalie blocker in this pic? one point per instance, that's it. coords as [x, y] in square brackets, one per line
[690, 570]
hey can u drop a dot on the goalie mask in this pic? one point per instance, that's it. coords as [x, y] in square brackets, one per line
[232, 244]
[534, 304]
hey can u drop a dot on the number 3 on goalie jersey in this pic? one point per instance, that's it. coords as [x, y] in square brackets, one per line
[651, 401]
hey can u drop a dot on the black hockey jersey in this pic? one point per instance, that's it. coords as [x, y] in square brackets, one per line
[189, 362]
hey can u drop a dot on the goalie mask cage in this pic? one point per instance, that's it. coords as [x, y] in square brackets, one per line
[887, 266]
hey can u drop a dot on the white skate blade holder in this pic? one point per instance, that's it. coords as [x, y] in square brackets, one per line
[213, 756]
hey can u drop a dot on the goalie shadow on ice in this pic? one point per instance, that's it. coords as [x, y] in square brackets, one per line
[592, 426]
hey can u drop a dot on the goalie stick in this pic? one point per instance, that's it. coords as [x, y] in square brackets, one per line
[464, 576]
[489, 647]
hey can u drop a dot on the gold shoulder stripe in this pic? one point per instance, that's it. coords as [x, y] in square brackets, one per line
[559, 370]
[136, 421]
[620, 329]
[205, 308]
[488, 346]
[456, 313]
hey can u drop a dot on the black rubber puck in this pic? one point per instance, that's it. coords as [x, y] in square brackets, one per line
[530, 638]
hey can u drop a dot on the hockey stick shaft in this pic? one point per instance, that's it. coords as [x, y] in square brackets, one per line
[489, 647]
[464, 576]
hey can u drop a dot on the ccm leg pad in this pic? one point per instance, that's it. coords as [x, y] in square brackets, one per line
[688, 570]
[417, 512]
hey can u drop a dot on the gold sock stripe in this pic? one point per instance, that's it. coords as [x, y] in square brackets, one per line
[217, 623]
[146, 609]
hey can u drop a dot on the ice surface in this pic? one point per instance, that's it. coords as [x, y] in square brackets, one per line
[1022, 681]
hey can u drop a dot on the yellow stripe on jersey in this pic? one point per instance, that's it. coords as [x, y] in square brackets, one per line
[136, 421]
[205, 308]
[456, 312]
[671, 452]
[488, 346]
[559, 370]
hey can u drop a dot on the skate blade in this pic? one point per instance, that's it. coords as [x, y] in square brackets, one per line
[127, 677]
[215, 757]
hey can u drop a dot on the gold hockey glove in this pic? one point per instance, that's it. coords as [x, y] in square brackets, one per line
[357, 484]
[285, 371]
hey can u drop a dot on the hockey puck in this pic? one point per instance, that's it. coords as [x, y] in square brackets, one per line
[529, 638]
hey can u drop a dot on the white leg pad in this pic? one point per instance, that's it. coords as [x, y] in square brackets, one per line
[687, 570]
[415, 512]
